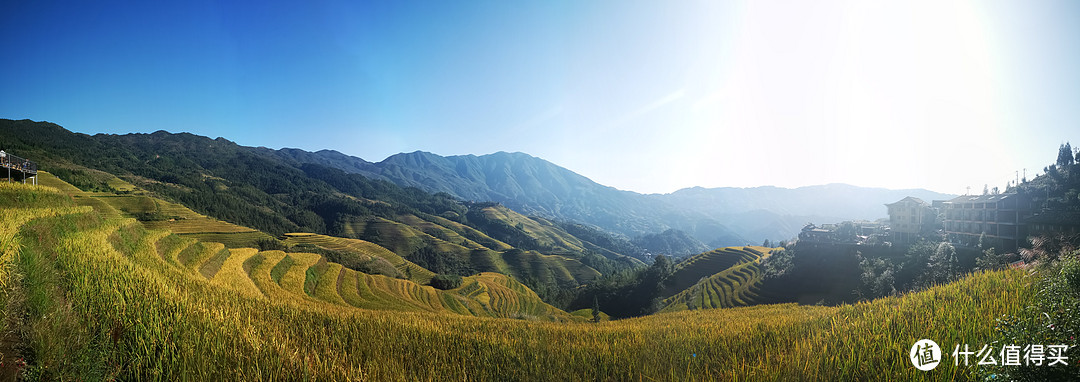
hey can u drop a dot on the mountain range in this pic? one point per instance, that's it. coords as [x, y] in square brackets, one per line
[710, 217]
[533, 186]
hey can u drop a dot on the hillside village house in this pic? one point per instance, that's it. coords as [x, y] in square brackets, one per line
[1002, 218]
[1003, 221]
[909, 218]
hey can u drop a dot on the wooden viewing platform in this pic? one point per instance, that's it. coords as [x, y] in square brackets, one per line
[18, 168]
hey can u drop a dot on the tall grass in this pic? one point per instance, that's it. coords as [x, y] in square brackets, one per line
[101, 308]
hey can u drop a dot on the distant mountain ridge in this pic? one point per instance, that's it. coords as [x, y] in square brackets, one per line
[526, 184]
[531, 186]
[780, 213]
[716, 216]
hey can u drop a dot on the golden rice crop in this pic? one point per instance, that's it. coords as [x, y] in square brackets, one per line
[105, 305]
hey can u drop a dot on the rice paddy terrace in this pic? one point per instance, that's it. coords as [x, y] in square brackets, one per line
[403, 236]
[722, 278]
[298, 278]
[410, 234]
[88, 296]
[306, 278]
[156, 213]
[363, 251]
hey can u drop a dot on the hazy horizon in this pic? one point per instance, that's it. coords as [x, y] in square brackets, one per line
[973, 190]
[639, 96]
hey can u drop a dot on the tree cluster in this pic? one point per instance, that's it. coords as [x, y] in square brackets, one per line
[630, 293]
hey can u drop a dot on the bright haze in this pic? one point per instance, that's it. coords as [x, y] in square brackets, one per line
[647, 96]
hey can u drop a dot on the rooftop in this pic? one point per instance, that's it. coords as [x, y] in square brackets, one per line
[910, 199]
[981, 198]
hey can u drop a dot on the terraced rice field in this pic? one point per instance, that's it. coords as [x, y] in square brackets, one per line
[305, 279]
[469, 232]
[364, 249]
[690, 271]
[174, 217]
[736, 280]
[50, 180]
[231, 239]
[106, 302]
[309, 280]
[544, 232]
[438, 231]
[404, 239]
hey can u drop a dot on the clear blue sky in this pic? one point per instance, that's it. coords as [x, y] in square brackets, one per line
[646, 96]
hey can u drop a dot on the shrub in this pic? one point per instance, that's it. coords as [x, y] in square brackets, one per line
[379, 266]
[445, 282]
[270, 244]
[1053, 320]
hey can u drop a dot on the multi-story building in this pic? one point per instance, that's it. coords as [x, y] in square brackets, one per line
[999, 219]
[910, 218]
[1053, 222]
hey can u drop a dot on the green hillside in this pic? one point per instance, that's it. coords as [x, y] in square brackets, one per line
[527, 233]
[671, 243]
[213, 190]
[308, 278]
[434, 240]
[89, 297]
[551, 238]
[362, 252]
[531, 186]
[130, 201]
[442, 249]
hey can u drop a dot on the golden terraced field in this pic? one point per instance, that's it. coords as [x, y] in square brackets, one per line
[96, 297]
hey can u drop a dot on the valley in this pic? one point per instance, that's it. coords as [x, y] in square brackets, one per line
[539, 191]
[245, 259]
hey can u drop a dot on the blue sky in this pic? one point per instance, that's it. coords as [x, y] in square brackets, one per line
[644, 96]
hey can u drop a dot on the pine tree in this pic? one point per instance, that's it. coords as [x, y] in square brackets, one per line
[944, 265]
[1065, 155]
[595, 309]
